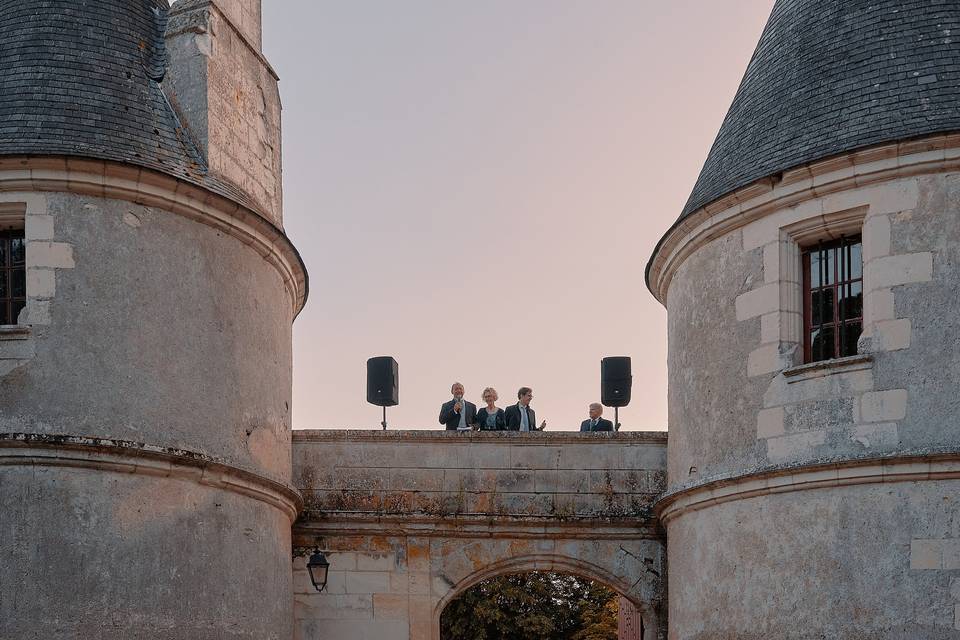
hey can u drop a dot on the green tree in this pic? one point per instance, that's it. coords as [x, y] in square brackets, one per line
[532, 606]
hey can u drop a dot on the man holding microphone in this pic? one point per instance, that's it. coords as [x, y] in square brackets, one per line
[458, 414]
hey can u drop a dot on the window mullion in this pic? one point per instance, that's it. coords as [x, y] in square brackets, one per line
[837, 340]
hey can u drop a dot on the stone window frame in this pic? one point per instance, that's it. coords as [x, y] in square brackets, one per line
[12, 218]
[28, 210]
[793, 238]
[848, 274]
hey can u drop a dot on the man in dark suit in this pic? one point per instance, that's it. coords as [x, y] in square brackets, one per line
[458, 414]
[596, 423]
[521, 416]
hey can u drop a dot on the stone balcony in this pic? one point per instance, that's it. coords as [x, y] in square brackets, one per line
[478, 476]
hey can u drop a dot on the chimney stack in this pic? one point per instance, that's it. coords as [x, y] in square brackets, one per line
[226, 95]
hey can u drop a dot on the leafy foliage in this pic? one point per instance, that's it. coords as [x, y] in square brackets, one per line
[532, 606]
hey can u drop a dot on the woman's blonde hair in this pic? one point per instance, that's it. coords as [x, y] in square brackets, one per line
[496, 396]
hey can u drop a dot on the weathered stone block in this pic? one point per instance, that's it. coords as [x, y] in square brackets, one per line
[535, 457]
[38, 227]
[418, 555]
[951, 554]
[876, 237]
[342, 561]
[378, 562]
[771, 262]
[52, 255]
[882, 406]
[819, 414]
[770, 423]
[770, 327]
[360, 582]
[764, 360]
[757, 302]
[419, 583]
[891, 271]
[881, 435]
[41, 283]
[926, 554]
[640, 456]
[878, 305]
[390, 606]
[794, 445]
[892, 335]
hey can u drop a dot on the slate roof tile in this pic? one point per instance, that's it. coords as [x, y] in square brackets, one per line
[80, 77]
[830, 76]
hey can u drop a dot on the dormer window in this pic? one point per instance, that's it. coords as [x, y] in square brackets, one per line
[13, 275]
[833, 298]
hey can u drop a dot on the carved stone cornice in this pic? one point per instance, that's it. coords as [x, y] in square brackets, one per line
[512, 438]
[933, 154]
[120, 456]
[902, 468]
[478, 526]
[150, 188]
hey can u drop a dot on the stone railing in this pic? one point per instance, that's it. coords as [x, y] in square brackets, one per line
[479, 475]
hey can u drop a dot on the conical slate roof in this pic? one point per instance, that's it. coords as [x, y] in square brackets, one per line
[82, 78]
[831, 76]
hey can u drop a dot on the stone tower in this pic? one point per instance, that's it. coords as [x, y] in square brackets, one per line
[812, 285]
[147, 292]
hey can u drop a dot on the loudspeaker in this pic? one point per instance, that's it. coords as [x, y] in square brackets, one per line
[383, 381]
[615, 381]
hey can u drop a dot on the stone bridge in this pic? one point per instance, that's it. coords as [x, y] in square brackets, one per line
[410, 519]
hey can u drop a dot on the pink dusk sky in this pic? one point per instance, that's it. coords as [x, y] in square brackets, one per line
[476, 187]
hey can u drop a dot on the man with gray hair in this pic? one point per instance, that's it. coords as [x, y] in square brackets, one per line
[596, 423]
[458, 414]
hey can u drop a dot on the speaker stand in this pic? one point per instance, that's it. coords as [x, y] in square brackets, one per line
[616, 418]
[384, 423]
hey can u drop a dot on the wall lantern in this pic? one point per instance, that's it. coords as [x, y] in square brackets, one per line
[318, 567]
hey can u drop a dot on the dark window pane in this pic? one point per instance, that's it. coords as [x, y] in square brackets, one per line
[851, 304]
[3, 285]
[17, 306]
[4, 307]
[856, 261]
[822, 343]
[829, 265]
[18, 283]
[3, 251]
[826, 305]
[18, 252]
[851, 333]
[815, 270]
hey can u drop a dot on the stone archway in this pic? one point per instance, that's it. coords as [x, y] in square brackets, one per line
[411, 519]
[555, 563]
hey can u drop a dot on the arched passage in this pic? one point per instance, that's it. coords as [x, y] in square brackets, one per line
[410, 519]
[553, 563]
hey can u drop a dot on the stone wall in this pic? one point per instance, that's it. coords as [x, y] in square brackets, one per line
[878, 559]
[772, 516]
[144, 414]
[411, 519]
[116, 540]
[740, 397]
[150, 327]
[437, 474]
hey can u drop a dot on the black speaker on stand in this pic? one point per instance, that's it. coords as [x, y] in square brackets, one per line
[615, 384]
[383, 384]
